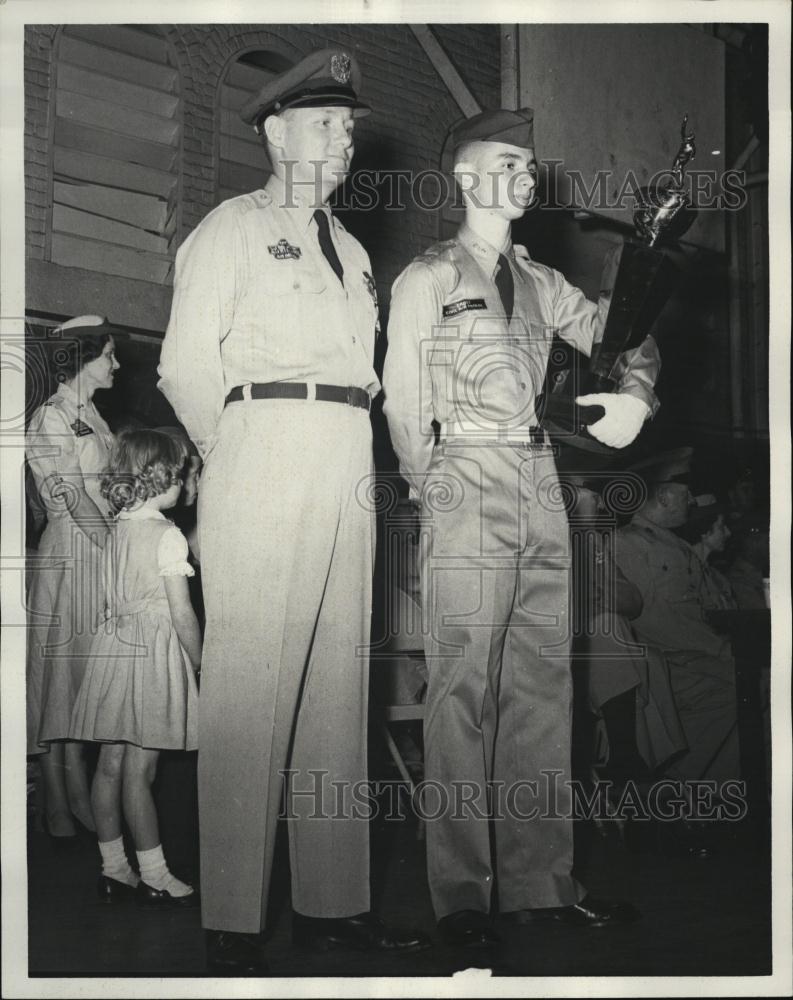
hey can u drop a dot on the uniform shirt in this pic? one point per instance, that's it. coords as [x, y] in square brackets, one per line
[453, 357]
[669, 574]
[67, 445]
[255, 300]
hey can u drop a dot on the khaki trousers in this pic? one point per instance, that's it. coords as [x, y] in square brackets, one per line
[286, 541]
[495, 586]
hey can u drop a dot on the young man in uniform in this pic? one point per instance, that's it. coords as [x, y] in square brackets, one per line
[469, 337]
[267, 362]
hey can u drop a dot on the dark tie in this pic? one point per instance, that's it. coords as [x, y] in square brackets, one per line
[326, 243]
[505, 285]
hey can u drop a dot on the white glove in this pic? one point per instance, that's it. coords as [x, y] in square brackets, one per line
[623, 420]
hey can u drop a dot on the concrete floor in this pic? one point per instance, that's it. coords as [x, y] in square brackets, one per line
[700, 918]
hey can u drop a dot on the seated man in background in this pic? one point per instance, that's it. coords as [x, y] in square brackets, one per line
[624, 685]
[670, 578]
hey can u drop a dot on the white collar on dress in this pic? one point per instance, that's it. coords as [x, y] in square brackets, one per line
[143, 513]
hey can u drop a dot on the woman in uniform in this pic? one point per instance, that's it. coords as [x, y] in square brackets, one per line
[67, 447]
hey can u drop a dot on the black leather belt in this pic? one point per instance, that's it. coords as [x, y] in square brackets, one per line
[352, 395]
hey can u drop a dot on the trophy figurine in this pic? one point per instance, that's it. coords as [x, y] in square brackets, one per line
[637, 281]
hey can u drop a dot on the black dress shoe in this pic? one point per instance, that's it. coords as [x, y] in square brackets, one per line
[589, 912]
[147, 895]
[467, 929]
[230, 953]
[361, 933]
[110, 890]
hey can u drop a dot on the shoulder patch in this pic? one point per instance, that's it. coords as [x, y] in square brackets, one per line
[81, 428]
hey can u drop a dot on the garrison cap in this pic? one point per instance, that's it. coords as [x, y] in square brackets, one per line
[95, 325]
[513, 127]
[325, 78]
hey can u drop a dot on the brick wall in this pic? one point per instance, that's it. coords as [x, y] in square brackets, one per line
[412, 111]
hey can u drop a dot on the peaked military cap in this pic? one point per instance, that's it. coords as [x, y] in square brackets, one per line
[325, 78]
[513, 127]
[667, 467]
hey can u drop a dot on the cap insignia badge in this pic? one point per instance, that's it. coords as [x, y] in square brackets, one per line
[285, 251]
[340, 66]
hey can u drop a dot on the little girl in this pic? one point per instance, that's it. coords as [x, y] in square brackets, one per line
[139, 693]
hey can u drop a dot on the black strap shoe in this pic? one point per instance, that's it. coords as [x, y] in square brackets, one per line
[147, 895]
[360, 933]
[230, 953]
[467, 929]
[110, 890]
[589, 912]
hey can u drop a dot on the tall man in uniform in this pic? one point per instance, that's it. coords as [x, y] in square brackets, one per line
[469, 338]
[267, 362]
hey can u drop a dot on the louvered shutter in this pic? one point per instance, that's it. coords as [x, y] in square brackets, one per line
[117, 137]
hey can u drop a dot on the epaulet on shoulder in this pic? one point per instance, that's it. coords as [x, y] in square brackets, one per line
[522, 255]
[245, 203]
[436, 253]
[242, 204]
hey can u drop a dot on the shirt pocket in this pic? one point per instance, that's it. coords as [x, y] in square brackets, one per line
[283, 282]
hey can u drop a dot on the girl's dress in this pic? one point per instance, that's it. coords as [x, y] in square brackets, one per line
[67, 446]
[139, 686]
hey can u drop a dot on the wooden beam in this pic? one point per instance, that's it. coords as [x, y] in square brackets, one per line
[445, 70]
[510, 82]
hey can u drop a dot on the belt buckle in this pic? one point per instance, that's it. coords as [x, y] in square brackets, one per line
[349, 396]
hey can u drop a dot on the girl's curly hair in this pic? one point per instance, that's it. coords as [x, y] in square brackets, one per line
[142, 464]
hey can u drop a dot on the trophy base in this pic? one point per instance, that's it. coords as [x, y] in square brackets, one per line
[567, 423]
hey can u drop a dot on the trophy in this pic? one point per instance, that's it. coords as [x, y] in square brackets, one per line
[637, 281]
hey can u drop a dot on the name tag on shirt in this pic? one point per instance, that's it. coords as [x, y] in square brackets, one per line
[464, 305]
[81, 428]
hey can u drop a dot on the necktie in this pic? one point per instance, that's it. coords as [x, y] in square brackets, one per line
[326, 243]
[505, 285]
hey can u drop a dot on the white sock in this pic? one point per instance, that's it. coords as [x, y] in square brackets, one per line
[154, 872]
[114, 862]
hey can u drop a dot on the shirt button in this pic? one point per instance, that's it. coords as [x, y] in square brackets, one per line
[354, 340]
[523, 385]
[296, 285]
